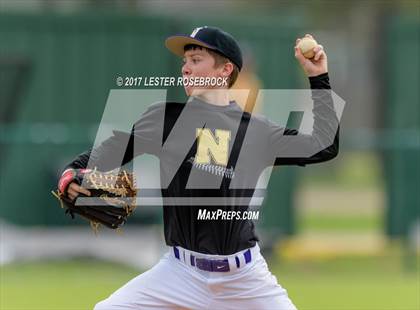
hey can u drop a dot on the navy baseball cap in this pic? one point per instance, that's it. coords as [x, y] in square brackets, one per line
[209, 37]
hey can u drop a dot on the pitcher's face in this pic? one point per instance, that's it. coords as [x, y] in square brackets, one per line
[199, 63]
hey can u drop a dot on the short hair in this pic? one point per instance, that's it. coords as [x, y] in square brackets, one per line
[219, 60]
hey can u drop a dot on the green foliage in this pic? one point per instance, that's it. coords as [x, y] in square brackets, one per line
[350, 170]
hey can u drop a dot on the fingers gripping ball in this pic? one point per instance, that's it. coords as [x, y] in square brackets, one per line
[306, 46]
[114, 197]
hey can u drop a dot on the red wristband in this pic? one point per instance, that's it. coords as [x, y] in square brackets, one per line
[66, 178]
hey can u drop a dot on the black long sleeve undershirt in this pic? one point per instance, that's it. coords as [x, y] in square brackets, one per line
[325, 125]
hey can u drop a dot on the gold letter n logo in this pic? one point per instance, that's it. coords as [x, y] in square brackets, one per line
[210, 146]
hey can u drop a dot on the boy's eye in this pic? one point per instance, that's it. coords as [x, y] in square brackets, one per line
[193, 60]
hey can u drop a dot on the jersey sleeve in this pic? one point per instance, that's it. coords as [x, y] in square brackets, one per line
[290, 147]
[122, 147]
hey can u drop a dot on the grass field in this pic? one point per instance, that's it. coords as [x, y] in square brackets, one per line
[345, 283]
[366, 283]
[76, 284]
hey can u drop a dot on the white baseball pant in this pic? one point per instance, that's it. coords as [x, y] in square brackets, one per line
[174, 283]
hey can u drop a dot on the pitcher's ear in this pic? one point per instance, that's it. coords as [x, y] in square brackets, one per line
[227, 69]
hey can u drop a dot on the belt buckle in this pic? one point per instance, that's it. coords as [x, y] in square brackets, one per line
[221, 265]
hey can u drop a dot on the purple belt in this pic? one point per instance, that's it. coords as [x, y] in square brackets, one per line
[215, 265]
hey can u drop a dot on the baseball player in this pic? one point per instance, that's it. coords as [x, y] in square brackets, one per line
[210, 151]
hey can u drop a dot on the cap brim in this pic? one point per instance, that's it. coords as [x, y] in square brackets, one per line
[177, 43]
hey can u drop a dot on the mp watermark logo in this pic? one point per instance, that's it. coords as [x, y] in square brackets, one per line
[199, 154]
[226, 215]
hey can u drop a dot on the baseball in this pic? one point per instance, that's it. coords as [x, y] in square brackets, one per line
[306, 46]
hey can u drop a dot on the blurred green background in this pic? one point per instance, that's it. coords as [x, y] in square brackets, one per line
[338, 235]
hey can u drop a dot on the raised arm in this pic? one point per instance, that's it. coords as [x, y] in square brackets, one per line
[293, 148]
